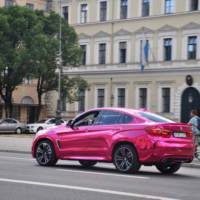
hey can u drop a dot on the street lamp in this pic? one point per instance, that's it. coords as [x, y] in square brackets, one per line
[59, 63]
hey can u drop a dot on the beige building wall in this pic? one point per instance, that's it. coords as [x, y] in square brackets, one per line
[178, 25]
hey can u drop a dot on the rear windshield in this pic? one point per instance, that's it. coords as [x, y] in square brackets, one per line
[154, 117]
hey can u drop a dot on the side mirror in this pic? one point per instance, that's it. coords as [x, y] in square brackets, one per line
[70, 123]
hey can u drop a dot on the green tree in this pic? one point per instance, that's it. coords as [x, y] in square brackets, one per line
[16, 25]
[29, 46]
[44, 54]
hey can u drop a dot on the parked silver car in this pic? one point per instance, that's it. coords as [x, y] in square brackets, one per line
[10, 125]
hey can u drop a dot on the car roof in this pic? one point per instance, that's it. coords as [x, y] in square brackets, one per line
[126, 110]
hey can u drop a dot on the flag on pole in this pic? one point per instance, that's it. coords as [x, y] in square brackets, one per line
[144, 54]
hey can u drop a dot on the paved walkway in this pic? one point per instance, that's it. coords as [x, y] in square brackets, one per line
[15, 143]
[22, 144]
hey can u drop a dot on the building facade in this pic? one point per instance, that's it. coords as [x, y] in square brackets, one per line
[115, 35]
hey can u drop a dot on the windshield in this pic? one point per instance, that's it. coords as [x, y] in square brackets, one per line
[154, 117]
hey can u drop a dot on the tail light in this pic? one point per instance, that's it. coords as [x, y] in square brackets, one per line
[168, 130]
[158, 131]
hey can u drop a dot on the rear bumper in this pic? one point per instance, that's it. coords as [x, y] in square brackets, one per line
[170, 152]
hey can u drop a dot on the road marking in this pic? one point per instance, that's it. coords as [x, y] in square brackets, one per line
[71, 187]
[100, 173]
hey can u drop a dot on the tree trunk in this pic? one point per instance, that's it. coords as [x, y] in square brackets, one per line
[39, 105]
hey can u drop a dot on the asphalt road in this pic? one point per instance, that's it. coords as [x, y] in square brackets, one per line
[21, 179]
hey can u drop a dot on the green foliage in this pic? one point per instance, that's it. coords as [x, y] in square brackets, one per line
[29, 46]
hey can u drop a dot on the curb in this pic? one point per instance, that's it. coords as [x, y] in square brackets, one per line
[192, 165]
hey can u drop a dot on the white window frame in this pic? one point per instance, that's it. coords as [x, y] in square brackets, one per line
[105, 93]
[119, 9]
[107, 12]
[98, 41]
[117, 41]
[163, 7]
[161, 37]
[137, 102]
[185, 35]
[172, 94]
[86, 103]
[140, 37]
[140, 8]
[116, 94]
[69, 11]
[86, 42]
[188, 5]
[79, 12]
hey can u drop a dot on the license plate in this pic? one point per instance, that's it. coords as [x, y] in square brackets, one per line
[179, 135]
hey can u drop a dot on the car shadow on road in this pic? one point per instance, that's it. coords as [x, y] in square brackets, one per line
[105, 170]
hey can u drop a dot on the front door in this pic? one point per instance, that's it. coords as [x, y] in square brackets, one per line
[84, 140]
[190, 100]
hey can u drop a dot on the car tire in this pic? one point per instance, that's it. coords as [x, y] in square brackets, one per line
[40, 128]
[18, 131]
[87, 163]
[168, 168]
[45, 153]
[126, 159]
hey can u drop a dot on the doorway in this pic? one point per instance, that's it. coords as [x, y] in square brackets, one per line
[190, 100]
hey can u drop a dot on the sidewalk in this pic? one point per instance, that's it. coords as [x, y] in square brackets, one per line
[22, 144]
[16, 143]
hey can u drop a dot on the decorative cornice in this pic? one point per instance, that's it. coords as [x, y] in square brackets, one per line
[101, 34]
[83, 36]
[167, 28]
[144, 30]
[122, 32]
[191, 26]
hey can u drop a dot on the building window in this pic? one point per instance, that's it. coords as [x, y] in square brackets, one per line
[100, 98]
[81, 102]
[194, 5]
[167, 49]
[121, 95]
[165, 100]
[145, 8]
[84, 54]
[122, 52]
[16, 112]
[142, 97]
[192, 47]
[169, 6]
[65, 12]
[103, 11]
[123, 9]
[102, 53]
[9, 3]
[83, 13]
[30, 6]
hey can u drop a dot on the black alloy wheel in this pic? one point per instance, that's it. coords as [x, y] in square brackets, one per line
[45, 154]
[87, 163]
[168, 168]
[125, 159]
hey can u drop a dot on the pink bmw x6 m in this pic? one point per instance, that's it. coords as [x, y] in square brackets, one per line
[127, 138]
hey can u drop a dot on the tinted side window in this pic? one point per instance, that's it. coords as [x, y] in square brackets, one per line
[155, 118]
[109, 117]
[86, 119]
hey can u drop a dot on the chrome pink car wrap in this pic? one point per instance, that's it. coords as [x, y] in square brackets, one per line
[97, 142]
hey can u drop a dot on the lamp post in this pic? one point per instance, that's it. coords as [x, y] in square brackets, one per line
[59, 63]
